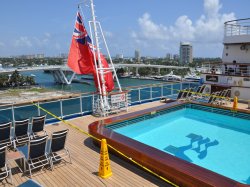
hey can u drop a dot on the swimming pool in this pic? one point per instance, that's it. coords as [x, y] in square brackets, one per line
[212, 138]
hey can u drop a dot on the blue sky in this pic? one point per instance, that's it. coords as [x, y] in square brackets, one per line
[155, 27]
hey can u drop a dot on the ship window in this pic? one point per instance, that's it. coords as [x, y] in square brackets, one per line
[226, 54]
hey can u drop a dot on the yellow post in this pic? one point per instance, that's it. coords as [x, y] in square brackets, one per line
[235, 103]
[104, 167]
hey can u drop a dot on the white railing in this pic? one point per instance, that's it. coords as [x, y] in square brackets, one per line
[83, 105]
[237, 27]
[227, 70]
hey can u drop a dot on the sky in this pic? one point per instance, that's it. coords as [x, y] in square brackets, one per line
[154, 27]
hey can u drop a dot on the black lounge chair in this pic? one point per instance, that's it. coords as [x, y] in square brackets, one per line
[212, 99]
[35, 153]
[5, 171]
[183, 95]
[5, 138]
[37, 124]
[198, 93]
[225, 97]
[58, 150]
[199, 89]
[21, 132]
[180, 94]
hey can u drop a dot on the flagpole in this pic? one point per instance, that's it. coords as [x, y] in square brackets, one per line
[102, 87]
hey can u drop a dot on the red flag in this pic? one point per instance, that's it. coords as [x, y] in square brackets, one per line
[80, 58]
[108, 77]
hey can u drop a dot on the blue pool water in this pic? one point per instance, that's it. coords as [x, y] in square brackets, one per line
[220, 143]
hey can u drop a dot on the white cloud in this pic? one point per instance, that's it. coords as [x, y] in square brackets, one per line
[208, 29]
[43, 41]
[23, 41]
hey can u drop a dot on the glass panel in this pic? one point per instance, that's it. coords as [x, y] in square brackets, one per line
[5, 115]
[145, 93]
[185, 85]
[25, 112]
[156, 92]
[134, 95]
[194, 86]
[176, 88]
[167, 90]
[86, 104]
[71, 106]
[53, 107]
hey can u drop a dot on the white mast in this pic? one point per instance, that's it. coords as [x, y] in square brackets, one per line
[99, 68]
[102, 106]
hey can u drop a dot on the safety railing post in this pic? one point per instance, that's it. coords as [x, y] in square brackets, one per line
[93, 102]
[139, 94]
[161, 90]
[38, 108]
[80, 104]
[61, 109]
[13, 113]
[172, 89]
[151, 90]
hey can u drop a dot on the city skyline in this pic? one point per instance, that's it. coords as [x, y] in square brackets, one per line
[155, 28]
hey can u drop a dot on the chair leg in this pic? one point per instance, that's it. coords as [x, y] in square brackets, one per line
[30, 170]
[11, 180]
[70, 161]
[51, 163]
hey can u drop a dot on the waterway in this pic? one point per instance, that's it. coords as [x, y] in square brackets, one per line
[46, 80]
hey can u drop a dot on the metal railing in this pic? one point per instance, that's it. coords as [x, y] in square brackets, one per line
[227, 70]
[82, 105]
[237, 27]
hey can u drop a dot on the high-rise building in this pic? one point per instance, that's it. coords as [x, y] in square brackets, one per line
[169, 56]
[137, 56]
[186, 53]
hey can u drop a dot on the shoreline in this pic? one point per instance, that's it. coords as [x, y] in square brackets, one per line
[23, 96]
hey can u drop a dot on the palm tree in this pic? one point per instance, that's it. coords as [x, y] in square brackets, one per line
[15, 79]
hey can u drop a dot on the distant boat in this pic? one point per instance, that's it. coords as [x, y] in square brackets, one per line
[158, 77]
[192, 78]
[125, 75]
[171, 77]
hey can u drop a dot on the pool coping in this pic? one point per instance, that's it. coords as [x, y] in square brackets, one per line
[172, 168]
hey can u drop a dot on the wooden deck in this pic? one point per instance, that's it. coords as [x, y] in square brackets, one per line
[85, 163]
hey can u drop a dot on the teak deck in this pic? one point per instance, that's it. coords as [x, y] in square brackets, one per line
[85, 162]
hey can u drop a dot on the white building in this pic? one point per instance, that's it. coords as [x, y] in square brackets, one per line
[138, 56]
[169, 56]
[186, 53]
